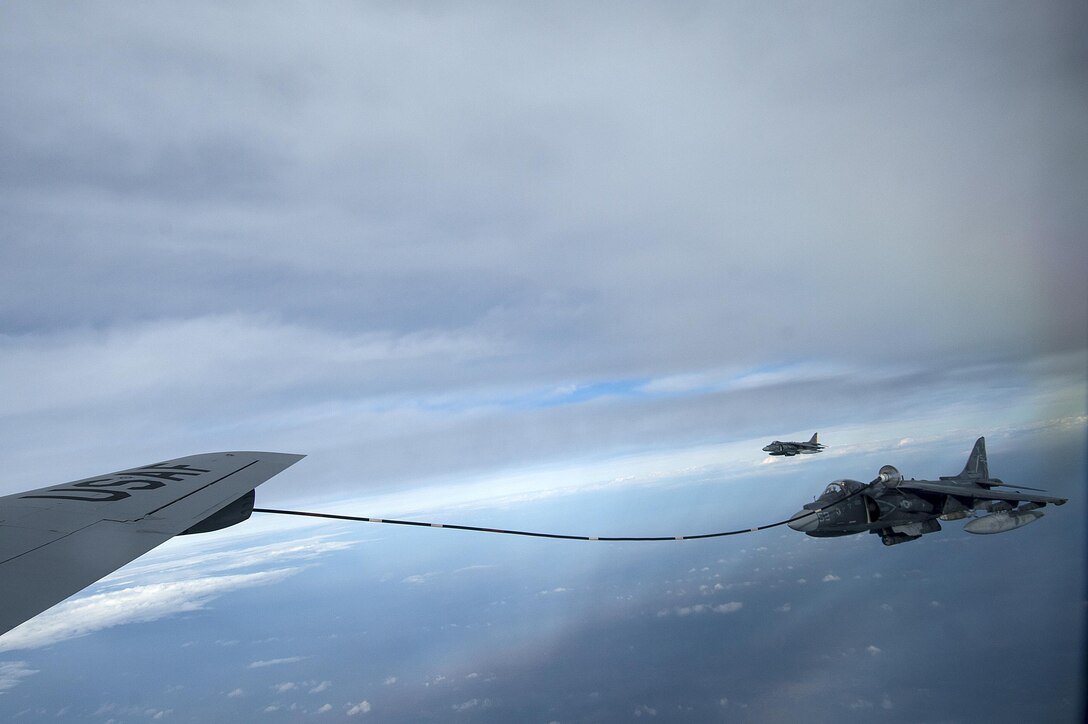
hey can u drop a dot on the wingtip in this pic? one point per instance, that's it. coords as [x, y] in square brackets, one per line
[297, 456]
[286, 460]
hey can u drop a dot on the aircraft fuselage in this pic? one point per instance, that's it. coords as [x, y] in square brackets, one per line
[900, 510]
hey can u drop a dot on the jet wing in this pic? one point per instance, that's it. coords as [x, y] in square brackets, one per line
[57, 540]
[976, 491]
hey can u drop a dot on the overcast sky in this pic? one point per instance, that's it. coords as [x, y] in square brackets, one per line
[419, 238]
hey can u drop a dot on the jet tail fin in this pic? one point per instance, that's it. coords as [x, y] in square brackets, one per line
[976, 467]
[814, 440]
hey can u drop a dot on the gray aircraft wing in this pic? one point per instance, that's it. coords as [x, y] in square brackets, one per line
[57, 540]
[976, 491]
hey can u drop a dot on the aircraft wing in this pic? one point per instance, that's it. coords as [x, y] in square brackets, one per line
[977, 492]
[57, 540]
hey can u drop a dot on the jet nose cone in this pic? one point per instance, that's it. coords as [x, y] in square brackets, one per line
[803, 520]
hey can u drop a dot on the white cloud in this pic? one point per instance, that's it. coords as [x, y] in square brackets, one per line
[701, 608]
[284, 687]
[831, 577]
[731, 607]
[363, 707]
[190, 558]
[472, 704]
[680, 383]
[231, 345]
[129, 712]
[138, 604]
[390, 680]
[873, 650]
[12, 672]
[235, 693]
[784, 608]
[644, 710]
[274, 662]
[476, 567]
[324, 708]
[324, 685]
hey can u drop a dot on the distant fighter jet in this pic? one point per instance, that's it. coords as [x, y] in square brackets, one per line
[901, 510]
[790, 449]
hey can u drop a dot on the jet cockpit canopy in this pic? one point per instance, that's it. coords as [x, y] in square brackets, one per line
[835, 490]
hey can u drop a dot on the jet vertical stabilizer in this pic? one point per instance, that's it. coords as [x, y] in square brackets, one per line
[976, 467]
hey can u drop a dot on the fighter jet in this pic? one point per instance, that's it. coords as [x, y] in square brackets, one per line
[900, 510]
[790, 449]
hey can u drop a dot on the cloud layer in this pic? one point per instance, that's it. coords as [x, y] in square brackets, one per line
[417, 240]
[138, 604]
